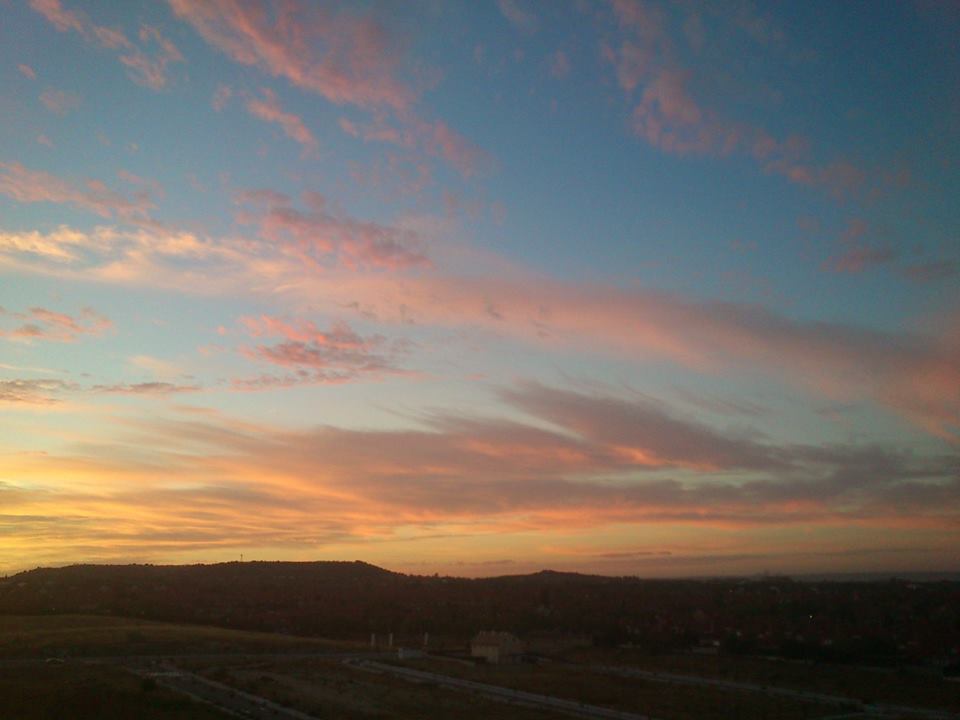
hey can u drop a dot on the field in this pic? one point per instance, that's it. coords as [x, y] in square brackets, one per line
[85, 692]
[870, 685]
[83, 667]
[631, 694]
[330, 689]
[85, 636]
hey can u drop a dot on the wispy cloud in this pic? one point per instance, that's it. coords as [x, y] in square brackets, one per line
[330, 485]
[221, 97]
[26, 185]
[317, 255]
[144, 388]
[32, 391]
[149, 69]
[669, 115]
[39, 323]
[321, 236]
[59, 102]
[857, 253]
[347, 57]
[152, 71]
[932, 270]
[314, 355]
[268, 108]
[436, 139]
[520, 17]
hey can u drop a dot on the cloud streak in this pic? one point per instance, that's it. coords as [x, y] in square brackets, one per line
[239, 484]
[29, 186]
[39, 323]
[268, 109]
[149, 69]
[346, 57]
[315, 255]
[314, 356]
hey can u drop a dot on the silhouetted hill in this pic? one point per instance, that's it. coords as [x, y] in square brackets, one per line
[882, 622]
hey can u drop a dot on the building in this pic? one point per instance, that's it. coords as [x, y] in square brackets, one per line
[496, 648]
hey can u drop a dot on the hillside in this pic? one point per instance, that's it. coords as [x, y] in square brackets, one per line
[878, 622]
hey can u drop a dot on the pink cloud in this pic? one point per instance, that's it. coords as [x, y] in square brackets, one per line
[39, 323]
[346, 57]
[916, 376]
[318, 257]
[559, 64]
[520, 17]
[641, 16]
[25, 185]
[857, 256]
[335, 355]
[856, 259]
[322, 236]
[434, 138]
[27, 71]
[268, 109]
[152, 71]
[671, 118]
[61, 18]
[221, 97]
[149, 70]
[440, 139]
[932, 270]
[59, 102]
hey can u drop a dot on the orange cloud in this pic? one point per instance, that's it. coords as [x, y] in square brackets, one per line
[32, 392]
[204, 482]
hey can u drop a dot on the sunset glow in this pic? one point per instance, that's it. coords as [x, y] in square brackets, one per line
[625, 287]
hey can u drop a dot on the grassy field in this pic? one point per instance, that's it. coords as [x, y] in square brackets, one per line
[884, 686]
[84, 692]
[648, 698]
[329, 689]
[85, 635]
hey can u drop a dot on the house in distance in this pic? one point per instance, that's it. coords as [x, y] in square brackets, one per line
[496, 648]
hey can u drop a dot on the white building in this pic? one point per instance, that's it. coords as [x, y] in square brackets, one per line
[496, 647]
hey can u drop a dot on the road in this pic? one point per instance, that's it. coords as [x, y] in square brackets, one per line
[872, 709]
[497, 693]
[223, 697]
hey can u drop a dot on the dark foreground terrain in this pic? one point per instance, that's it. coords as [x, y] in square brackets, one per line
[293, 640]
[87, 667]
[892, 623]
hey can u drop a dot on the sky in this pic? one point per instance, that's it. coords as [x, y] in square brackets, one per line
[479, 288]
